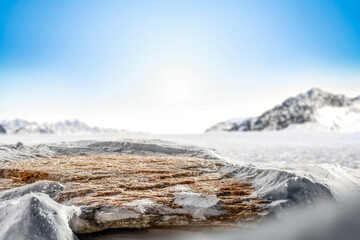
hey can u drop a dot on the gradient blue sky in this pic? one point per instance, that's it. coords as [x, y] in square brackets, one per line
[171, 66]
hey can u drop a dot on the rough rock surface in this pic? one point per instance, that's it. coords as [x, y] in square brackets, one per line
[139, 191]
[294, 110]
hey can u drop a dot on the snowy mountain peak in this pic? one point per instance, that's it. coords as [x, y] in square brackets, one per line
[17, 126]
[314, 92]
[329, 111]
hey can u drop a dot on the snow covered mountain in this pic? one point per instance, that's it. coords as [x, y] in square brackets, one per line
[19, 126]
[2, 129]
[228, 125]
[315, 109]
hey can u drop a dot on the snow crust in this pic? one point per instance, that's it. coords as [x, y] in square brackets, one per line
[289, 168]
[49, 188]
[299, 185]
[141, 146]
[28, 213]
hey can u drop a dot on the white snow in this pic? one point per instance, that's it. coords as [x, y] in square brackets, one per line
[20, 126]
[341, 119]
[28, 213]
[314, 110]
[332, 119]
[299, 185]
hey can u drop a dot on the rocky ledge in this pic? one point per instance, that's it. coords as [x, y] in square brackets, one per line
[55, 190]
[140, 191]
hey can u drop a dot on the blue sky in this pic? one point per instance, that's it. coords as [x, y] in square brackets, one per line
[171, 66]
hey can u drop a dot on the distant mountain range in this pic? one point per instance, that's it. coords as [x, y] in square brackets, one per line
[19, 126]
[315, 109]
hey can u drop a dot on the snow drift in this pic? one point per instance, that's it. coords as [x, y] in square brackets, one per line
[298, 185]
[29, 213]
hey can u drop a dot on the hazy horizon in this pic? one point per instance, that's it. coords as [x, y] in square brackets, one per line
[171, 67]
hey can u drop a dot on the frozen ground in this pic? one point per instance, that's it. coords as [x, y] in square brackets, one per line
[286, 159]
[289, 167]
[289, 146]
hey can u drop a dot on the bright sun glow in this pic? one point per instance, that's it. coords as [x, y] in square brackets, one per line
[175, 85]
